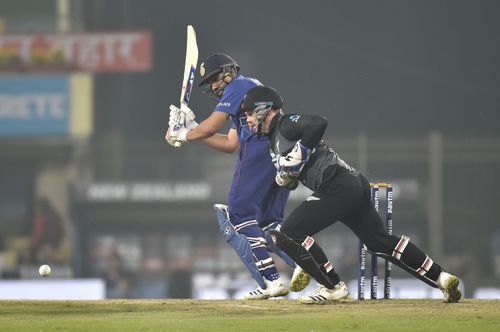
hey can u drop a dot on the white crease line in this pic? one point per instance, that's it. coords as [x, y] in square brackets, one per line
[255, 307]
[249, 306]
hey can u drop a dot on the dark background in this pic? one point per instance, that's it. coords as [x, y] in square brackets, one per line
[399, 67]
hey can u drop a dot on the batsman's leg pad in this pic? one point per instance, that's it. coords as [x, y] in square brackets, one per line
[302, 257]
[271, 246]
[239, 243]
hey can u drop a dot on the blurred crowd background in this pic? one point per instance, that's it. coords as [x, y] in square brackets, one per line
[88, 184]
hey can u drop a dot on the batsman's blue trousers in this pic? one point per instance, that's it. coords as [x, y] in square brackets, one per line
[254, 195]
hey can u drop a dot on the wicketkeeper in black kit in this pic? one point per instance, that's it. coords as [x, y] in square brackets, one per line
[340, 193]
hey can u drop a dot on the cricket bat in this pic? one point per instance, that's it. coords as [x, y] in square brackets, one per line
[189, 69]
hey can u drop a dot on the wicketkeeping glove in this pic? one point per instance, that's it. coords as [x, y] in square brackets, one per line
[283, 179]
[294, 161]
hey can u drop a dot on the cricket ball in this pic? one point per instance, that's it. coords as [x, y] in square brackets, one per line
[44, 270]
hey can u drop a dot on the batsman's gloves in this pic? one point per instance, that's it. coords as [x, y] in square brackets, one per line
[176, 116]
[284, 179]
[172, 141]
[189, 117]
[294, 161]
[178, 133]
[183, 115]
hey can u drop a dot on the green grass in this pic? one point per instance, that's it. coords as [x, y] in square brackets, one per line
[256, 316]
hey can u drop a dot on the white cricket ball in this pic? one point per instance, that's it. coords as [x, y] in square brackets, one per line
[44, 270]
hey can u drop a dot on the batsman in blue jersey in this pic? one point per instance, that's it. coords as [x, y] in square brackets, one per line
[255, 202]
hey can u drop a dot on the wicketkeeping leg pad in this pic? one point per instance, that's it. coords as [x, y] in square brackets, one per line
[405, 267]
[302, 257]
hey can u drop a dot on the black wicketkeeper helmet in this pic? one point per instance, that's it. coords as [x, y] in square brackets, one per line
[261, 99]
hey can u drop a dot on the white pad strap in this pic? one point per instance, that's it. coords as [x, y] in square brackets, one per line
[308, 242]
[400, 247]
[328, 266]
[426, 265]
[256, 242]
[265, 264]
[239, 227]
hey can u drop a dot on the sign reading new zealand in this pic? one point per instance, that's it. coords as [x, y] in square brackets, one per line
[31, 105]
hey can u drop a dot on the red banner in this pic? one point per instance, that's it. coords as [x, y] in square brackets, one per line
[95, 52]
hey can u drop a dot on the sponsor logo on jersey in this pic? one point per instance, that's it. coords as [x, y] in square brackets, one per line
[224, 104]
[294, 118]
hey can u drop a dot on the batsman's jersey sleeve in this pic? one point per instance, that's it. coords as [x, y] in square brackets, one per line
[234, 93]
[230, 103]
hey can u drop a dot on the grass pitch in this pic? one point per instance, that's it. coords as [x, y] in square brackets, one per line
[270, 315]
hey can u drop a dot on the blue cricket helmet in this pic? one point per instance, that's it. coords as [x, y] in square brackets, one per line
[215, 64]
